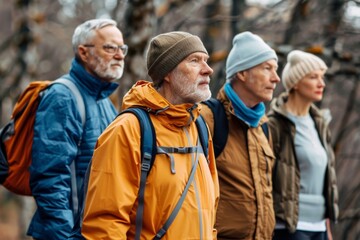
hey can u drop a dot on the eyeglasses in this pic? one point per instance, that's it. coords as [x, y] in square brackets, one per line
[111, 48]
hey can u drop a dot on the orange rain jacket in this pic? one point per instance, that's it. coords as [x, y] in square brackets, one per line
[111, 200]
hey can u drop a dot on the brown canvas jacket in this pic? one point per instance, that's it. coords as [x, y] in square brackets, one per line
[245, 209]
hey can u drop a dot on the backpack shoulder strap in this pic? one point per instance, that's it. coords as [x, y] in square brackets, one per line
[221, 125]
[79, 99]
[81, 107]
[175, 211]
[148, 138]
[203, 134]
[265, 129]
[148, 152]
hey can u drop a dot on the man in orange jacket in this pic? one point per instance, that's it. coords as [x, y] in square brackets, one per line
[177, 65]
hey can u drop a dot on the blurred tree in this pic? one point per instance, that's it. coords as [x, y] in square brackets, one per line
[35, 43]
[139, 24]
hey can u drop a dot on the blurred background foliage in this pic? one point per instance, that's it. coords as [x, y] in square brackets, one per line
[35, 44]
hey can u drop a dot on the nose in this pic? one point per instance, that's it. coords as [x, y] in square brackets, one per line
[321, 82]
[207, 69]
[275, 77]
[119, 55]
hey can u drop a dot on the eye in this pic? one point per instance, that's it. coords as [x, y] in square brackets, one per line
[110, 48]
[268, 68]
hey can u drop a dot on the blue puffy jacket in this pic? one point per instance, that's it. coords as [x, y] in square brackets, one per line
[57, 131]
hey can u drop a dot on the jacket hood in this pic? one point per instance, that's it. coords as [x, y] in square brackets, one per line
[277, 105]
[144, 95]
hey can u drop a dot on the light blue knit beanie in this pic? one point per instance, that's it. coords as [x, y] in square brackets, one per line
[248, 51]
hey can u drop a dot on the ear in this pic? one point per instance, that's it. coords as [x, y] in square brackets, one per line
[242, 76]
[83, 53]
[167, 77]
[295, 87]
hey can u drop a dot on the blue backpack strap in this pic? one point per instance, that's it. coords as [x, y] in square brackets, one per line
[221, 125]
[148, 137]
[203, 134]
[265, 129]
[148, 152]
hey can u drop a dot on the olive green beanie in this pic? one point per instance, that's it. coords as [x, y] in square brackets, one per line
[167, 50]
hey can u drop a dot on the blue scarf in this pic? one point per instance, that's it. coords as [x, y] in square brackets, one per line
[251, 116]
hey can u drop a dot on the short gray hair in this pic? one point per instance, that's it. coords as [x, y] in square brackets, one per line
[232, 79]
[85, 31]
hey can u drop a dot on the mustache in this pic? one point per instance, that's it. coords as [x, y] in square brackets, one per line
[203, 80]
[115, 62]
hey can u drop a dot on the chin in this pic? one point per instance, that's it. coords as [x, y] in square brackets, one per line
[201, 98]
[317, 100]
[267, 98]
[207, 96]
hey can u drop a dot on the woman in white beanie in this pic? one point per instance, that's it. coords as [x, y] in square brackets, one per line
[304, 180]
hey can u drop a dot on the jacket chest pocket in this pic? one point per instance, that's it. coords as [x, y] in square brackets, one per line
[267, 163]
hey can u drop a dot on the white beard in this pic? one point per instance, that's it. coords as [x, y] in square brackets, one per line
[104, 70]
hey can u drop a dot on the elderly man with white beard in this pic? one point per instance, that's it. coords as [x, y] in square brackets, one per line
[60, 138]
[182, 188]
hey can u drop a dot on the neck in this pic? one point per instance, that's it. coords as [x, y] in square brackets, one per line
[243, 94]
[164, 90]
[252, 115]
[297, 106]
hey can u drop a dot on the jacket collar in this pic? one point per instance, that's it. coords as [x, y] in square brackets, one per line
[94, 86]
[278, 106]
[230, 109]
[144, 95]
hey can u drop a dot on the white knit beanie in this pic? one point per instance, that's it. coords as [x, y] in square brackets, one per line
[298, 65]
[248, 51]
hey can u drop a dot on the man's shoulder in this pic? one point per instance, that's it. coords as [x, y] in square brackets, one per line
[212, 107]
[208, 116]
[206, 112]
[57, 90]
[125, 119]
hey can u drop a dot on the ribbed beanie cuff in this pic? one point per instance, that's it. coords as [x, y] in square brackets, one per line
[167, 50]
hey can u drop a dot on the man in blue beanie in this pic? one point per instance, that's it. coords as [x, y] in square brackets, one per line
[244, 163]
